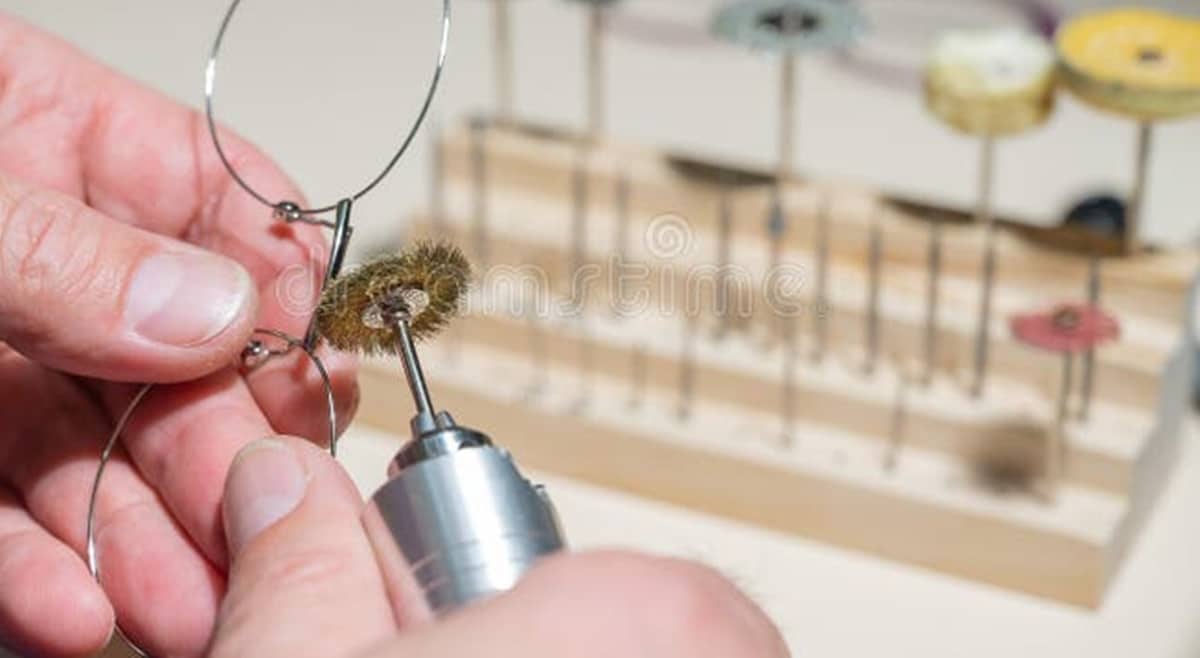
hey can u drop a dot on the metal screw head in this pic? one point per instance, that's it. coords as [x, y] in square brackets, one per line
[254, 353]
[288, 211]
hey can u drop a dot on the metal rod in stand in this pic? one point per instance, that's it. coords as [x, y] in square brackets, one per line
[479, 194]
[787, 119]
[1137, 194]
[1088, 383]
[985, 216]
[503, 59]
[791, 357]
[932, 298]
[579, 219]
[621, 239]
[596, 92]
[724, 262]
[1056, 446]
[874, 283]
[776, 229]
[778, 223]
[821, 310]
[687, 368]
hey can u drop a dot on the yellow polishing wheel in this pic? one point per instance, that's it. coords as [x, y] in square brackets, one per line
[990, 82]
[1135, 62]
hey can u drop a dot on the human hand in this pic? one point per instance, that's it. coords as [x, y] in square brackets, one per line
[305, 582]
[126, 255]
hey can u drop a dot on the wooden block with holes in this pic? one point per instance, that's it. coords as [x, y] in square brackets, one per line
[664, 385]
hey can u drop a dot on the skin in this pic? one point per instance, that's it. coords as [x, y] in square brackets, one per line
[310, 573]
[98, 174]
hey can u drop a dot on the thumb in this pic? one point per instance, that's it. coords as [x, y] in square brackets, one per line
[83, 293]
[304, 580]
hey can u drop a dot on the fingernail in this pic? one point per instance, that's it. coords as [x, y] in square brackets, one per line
[185, 299]
[265, 484]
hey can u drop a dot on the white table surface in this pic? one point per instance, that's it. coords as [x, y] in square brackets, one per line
[320, 90]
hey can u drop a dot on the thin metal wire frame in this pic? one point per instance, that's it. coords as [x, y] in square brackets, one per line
[93, 558]
[210, 80]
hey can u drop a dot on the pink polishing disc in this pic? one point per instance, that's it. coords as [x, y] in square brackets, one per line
[1068, 328]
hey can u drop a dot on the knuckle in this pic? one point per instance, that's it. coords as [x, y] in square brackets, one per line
[46, 249]
[306, 571]
[267, 585]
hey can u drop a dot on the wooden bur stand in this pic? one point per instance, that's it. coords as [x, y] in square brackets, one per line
[874, 463]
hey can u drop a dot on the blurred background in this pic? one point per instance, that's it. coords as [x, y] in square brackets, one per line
[328, 89]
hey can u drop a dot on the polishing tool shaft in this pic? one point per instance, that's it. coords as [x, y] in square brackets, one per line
[412, 370]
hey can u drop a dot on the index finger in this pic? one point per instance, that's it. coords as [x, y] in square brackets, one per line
[69, 123]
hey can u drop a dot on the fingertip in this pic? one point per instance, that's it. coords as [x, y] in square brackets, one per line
[44, 582]
[310, 567]
[128, 304]
[271, 478]
[327, 474]
[188, 314]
